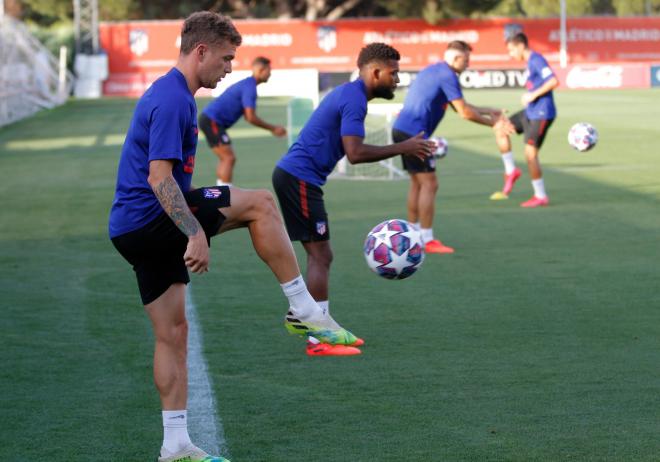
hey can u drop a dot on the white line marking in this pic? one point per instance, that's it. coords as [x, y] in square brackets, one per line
[204, 422]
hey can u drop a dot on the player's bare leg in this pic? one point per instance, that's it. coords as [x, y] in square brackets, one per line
[168, 318]
[428, 188]
[533, 164]
[256, 210]
[319, 259]
[511, 172]
[540, 197]
[226, 160]
[413, 200]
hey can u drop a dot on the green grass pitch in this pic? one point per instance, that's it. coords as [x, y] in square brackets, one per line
[539, 340]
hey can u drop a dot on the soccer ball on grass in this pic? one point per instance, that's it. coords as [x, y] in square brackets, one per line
[582, 136]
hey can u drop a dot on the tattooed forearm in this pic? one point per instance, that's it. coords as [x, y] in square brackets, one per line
[171, 199]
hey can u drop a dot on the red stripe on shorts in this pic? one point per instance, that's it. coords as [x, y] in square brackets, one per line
[303, 198]
[214, 127]
[544, 124]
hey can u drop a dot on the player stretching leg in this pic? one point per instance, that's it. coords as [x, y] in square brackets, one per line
[238, 100]
[162, 227]
[435, 87]
[335, 129]
[534, 121]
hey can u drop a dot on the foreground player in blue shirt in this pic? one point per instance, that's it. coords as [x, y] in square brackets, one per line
[534, 121]
[239, 100]
[335, 129]
[163, 227]
[435, 88]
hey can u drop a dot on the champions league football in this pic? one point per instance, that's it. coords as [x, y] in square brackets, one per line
[582, 137]
[442, 147]
[394, 249]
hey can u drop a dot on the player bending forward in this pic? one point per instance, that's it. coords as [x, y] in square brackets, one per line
[335, 129]
[238, 100]
[534, 121]
[435, 87]
[162, 226]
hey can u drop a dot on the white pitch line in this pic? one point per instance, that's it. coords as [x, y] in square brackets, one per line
[204, 422]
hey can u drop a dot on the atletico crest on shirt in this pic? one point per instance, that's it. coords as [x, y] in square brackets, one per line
[212, 193]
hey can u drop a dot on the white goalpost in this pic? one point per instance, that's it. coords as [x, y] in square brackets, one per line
[378, 131]
[378, 126]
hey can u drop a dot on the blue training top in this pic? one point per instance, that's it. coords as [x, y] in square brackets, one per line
[319, 146]
[538, 73]
[427, 99]
[227, 108]
[164, 127]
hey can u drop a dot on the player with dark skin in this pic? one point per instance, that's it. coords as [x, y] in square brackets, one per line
[309, 160]
[381, 79]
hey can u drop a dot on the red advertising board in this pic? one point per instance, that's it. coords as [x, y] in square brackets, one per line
[141, 50]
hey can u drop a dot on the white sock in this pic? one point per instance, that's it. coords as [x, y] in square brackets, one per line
[222, 183]
[416, 224]
[509, 164]
[539, 188]
[175, 431]
[301, 303]
[325, 306]
[427, 235]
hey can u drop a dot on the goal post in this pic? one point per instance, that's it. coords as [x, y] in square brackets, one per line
[378, 131]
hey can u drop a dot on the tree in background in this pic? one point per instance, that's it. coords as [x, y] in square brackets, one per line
[544, 8]
[49, 12]
[434, 10]
[636, 7]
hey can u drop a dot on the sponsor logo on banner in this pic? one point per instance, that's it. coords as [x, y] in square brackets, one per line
[596, 77]
[407, 37]
[267, 40]
[326, 38]
[139, 41]
[655, 76]
[493, 78]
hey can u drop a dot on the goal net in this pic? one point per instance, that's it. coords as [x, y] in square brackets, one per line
[378, 131]
[31, 79]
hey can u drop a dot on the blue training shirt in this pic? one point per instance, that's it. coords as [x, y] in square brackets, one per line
[227, 108]
[426, 102]
[164, 127]
[538, 73]
[319, 146]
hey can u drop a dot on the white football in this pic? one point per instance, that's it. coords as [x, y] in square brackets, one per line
[394, 249]
[582, 136]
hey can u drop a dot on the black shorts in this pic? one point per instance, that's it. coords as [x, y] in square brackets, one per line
[214, 132]
[156, 250]
[413, 164]
[302, 207]
[534, 130]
